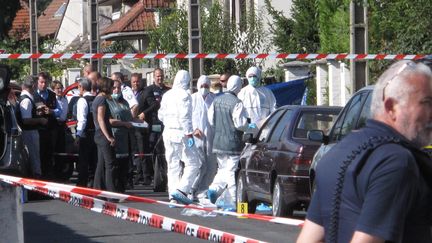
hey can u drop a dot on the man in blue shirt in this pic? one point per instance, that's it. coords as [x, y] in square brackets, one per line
[46, 99]
[375, 185]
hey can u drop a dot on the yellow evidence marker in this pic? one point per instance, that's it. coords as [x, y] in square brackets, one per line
[242, 208]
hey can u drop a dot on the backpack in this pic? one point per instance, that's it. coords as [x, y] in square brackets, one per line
[18, 115]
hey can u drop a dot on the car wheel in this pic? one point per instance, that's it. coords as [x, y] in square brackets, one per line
[160, 174]
[280, 207]
[242, 193]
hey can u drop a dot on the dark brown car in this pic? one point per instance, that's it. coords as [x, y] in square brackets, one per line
[274, 166]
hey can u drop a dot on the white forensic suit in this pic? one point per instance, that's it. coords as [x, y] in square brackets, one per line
[201, 101]
[259, 102]
[227, 150]
[176, 114]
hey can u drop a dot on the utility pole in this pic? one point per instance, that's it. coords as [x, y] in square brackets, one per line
[34, 62]
[195, 44]
[93, 17]
[359, 43]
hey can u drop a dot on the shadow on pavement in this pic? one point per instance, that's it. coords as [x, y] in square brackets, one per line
[38, 229]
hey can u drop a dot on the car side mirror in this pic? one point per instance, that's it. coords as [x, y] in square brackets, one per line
[248, 138]
[316, 135]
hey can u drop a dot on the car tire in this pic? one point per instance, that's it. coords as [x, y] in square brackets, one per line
[242, 196]
[160, 174]
[280, 207]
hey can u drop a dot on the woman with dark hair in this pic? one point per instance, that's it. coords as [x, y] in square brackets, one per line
[107, 167]
[121, 118]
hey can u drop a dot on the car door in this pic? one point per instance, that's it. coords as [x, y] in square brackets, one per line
[258, 151]
[274, 152]
[5, 116]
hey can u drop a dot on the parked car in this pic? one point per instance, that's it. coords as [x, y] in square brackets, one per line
[274, 166]
[14, 157]
[353, 117]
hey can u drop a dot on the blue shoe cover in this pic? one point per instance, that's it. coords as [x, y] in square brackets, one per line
[212, 195]
[181, 198]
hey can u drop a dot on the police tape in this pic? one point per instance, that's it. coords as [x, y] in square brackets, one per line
[294, 56]
[124, 197]
[137, 215]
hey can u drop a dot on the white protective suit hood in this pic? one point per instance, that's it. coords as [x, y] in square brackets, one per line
[255, 71]
[182, 80]
[234, 84]
[203, 79]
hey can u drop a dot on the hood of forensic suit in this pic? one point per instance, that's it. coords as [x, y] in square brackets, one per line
[254, 70]
[182, 80]
[203, 79]
[234, 84]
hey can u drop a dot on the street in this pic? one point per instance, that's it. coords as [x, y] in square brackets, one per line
[57, 221]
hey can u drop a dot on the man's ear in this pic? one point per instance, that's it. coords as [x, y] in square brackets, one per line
[389, 106]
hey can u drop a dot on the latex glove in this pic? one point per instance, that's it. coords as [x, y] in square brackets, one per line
[252, 126]
[190, 142]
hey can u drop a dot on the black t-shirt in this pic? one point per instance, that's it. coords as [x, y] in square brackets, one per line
[384, 193]
[147, 104]
[101, 101]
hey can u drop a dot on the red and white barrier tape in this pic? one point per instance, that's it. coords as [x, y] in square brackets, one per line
[139, 216]
[113, 195]
[310, 56]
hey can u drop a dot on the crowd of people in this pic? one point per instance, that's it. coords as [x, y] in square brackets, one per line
[202, 131]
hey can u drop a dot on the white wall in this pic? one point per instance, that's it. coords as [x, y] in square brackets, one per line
[279, 5]
[71, 26]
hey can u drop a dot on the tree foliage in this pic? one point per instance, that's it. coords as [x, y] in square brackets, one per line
[333, 25]
[21, 68]
[298, 34]
[399, 27]
[219, 35]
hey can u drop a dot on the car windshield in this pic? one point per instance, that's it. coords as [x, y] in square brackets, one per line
[314, 121]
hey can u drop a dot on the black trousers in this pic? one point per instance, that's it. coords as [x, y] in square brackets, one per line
[107, 166]
[47, 139]
[87, 158]
[144, 163]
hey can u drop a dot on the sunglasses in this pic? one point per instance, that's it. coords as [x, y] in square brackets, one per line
[399, 71]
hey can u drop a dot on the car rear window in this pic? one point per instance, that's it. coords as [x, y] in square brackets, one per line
[314, 121]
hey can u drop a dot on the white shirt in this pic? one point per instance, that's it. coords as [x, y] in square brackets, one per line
[26, 106]
[128, 95]
[63, 103]
[82, 111]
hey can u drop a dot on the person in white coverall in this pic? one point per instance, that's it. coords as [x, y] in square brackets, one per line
[258, 101]
[228, 118]
[201, 101]
[176, 114]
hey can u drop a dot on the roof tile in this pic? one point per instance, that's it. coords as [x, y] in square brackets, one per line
[48, 25]
[21, 23]
[138, 18]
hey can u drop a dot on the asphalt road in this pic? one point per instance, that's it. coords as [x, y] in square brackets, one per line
[56, 221]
